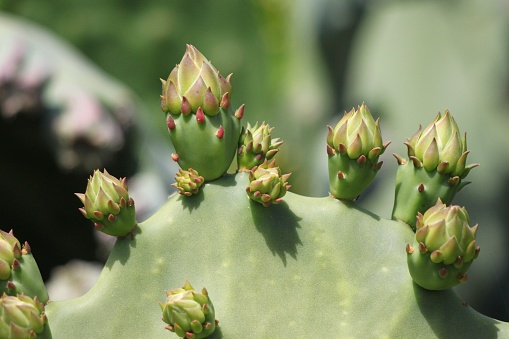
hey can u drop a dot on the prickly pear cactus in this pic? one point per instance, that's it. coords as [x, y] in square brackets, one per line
[299, 268]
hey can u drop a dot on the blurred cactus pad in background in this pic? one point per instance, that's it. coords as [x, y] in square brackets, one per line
[241, 248]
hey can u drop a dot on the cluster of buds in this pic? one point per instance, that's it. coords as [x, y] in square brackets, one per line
[256, 145]
[108, 205]
[188, 182]
[21, 317]
[435, 168]
[266, 184]
[353, 149]
[188, 313]
[444, 247]
[19, 272]
[208, 142]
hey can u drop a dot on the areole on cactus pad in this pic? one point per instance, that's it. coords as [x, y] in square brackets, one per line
[278, 264]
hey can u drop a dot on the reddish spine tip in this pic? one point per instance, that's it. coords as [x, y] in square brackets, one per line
[200, 116]
[27, 248]
[170, 122]
[15, 264]
[462, 278]
[112, 218]
[443, 272]
[220, 132]
[131, 202]
[175, 157]
[422, 248]
[98, 226]
[239, 113]
[11, 285]
[330, 150]
[361, 160]
[420, 188]
[341, 175]
[225, 101]
[409, 249]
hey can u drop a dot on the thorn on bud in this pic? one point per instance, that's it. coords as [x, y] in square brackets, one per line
[175, 157]
[200, 116]
[16, 265]
[417, 163]
[361, 160]
[420, 188]
[220, 132]
[409, 249]
[442, 273]
[454, 181]
[462, 278]
[225, 101]
[11, 285]
[112, 218]
[477, 250]
[330, 150]
[26, 249]
[170, 122]
[98, 226]
[131, 202]
[422, 247]
[459, 262]
[341, 175]
[399, 159]
[239, 113]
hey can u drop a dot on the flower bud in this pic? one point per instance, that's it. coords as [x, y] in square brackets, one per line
[188, 182]
[202, 125]
[21, 316]
[256, 145]
[444, 247]
[354, 147]
[435, 168]
[188, 313]
[107, 203]
[267, 184]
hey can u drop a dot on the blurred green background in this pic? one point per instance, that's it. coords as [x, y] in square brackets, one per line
[299, 64]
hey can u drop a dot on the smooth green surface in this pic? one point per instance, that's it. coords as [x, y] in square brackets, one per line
[306, 268]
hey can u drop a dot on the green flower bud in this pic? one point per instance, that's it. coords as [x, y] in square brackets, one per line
[188, 313]
[256, 145]
[10, 250]
[436, 167]
[188, 182]
[203, 127]
[444, 247]
[107, 203]
[440, 147]
[267, 184]
[195, 83]
[21, 317]
[354, 147]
